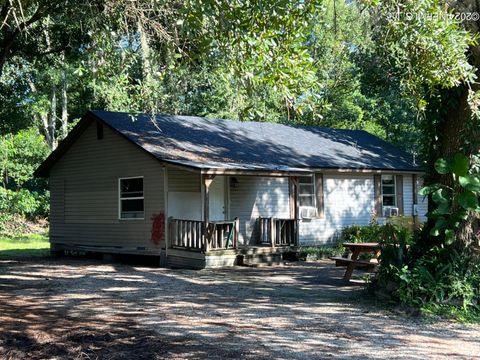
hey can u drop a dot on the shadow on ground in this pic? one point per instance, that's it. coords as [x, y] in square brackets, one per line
[85, 309]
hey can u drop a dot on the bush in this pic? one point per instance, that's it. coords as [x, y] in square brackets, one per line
[318, 252]
[443, 281]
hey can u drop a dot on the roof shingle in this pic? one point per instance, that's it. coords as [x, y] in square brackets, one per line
[224, 144]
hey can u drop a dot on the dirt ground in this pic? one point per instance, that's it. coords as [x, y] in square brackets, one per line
[86, 309]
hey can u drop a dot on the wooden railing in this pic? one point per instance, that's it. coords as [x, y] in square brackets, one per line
[222, 235]
[186, 234]
[191, 235]
[278, 232]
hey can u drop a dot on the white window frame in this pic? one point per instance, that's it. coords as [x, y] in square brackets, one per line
[130, 198]
[313, 194]
[394, 192]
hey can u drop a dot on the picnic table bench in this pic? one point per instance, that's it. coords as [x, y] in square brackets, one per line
[353, 261]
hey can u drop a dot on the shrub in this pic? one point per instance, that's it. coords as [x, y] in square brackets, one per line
[441, 281]
[318, 252]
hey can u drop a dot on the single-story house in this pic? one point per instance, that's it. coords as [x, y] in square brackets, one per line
[199, 192]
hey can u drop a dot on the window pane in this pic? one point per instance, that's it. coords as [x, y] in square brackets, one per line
[305, 190]
[389, 190]
[132, 205]
[387, 179]
[305, 179]
[305, 200]
[131, 187]
[388, 201]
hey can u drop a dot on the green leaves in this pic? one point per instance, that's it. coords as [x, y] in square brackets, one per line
[442, 166]
[457, 165]
[468, 200]
[470, 182]
[454, 203]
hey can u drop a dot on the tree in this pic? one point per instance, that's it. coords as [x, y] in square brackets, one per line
[434, 49]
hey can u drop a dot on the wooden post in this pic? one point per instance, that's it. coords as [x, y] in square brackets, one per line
[207, 181]
[237, 231]
[169, 239]
[272, 232]
[295, 207]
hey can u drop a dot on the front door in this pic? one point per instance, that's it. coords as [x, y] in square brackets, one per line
[217, 199]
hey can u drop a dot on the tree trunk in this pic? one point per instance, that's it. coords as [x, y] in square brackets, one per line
[451, 128]
[52, 120]
[64, 115]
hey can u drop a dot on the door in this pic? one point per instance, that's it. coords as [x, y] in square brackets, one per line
[217, 199]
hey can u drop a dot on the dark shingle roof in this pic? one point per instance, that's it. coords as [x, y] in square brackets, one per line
[224, 144]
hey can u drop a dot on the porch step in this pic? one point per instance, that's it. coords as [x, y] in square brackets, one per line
[261, 259]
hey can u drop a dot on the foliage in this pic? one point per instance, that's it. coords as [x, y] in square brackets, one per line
[426, 42]
[319, 252]
[452, 206]
[441, 281]
[20, 194]
[358, 234]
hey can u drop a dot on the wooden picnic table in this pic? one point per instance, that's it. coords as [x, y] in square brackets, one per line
[356, 249]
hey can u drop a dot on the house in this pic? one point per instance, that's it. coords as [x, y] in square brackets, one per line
[201, 192]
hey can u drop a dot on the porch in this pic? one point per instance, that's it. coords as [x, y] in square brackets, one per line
[194, 244]
[230, 219]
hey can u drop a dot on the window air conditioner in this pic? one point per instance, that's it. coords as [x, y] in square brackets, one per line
[390, 211]
[308, 212]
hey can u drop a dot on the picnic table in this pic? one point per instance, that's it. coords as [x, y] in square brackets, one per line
[353, 261]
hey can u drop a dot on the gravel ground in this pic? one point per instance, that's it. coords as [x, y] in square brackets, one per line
[85, 309]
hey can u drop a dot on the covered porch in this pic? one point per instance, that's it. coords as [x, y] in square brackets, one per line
[236, 219]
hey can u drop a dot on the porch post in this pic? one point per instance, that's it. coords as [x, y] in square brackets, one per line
[294, 199]
[207, 181]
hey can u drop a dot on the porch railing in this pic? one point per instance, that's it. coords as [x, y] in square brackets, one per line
[278, 232]
[191, 235]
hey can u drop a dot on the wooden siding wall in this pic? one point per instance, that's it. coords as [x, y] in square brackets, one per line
[84, 187]
[183, 181]
[422, 201]
[255, 197]
[184, 194]
[349, 200]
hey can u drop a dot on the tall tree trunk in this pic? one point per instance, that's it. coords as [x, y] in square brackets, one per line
[145, 52]
[64, 105]
[451, 127]
[52, 121]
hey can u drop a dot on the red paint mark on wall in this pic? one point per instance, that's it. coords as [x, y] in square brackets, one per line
[158, 228]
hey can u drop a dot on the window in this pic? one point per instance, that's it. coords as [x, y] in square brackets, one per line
[131, 204]
[306, 191]
[388, 190]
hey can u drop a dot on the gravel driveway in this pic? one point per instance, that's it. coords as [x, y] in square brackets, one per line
[85, 309]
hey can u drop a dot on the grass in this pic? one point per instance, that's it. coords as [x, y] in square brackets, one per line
[319, 252]
[24, 246]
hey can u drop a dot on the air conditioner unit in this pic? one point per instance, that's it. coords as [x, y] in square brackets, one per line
[389, 211]
[308, 212]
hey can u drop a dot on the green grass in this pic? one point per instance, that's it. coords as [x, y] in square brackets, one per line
[319, 252]
[24, 246]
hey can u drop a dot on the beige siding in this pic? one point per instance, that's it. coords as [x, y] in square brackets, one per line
[84, 189]
[349, 200]
[255, 197]
[184, 194]
[183, 181]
